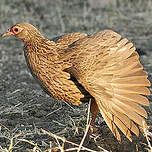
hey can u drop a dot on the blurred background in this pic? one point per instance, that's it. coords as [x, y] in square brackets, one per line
[24, 107]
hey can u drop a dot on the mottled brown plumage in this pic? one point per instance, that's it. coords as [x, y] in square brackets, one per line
[103, 68]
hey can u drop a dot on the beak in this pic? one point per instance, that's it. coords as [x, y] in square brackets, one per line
[8, 33]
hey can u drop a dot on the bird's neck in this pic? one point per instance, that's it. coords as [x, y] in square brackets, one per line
[35, 42]
[41, 46]
[40, 56]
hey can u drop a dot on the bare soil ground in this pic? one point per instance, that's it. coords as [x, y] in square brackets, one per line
[25, 108]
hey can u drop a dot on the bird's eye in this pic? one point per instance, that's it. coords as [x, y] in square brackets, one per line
[16, 29]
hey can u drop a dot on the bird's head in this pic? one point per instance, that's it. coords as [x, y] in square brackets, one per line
[24, 31]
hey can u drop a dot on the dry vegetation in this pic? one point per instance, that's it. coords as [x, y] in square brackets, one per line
[25, 108]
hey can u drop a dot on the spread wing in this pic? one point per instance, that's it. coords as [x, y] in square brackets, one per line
[108, 67]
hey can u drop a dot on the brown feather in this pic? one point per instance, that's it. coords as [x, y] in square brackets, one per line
[110, 124]
[127, 122]
[103, 68]
[116, 80]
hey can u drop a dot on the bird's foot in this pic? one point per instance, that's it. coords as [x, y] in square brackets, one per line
[90, 132]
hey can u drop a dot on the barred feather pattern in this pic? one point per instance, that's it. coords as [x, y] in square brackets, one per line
[42, 61]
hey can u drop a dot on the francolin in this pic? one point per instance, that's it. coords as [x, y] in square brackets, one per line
[103, 68]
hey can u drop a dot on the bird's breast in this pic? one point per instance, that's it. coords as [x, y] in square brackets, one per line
[45, 72]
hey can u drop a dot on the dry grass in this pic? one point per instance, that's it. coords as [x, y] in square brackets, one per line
[60, 141]
[60, 146]
[148, 136]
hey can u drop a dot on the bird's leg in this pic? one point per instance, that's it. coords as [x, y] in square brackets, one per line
[94, 111]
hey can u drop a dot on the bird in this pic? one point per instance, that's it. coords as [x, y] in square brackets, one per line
[102, 68]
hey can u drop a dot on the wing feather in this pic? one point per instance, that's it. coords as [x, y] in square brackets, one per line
[110, 123]
[133, 98]
[127, 122]
[65, 40]
[109, 69]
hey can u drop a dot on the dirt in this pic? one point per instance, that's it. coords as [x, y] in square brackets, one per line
[25, 108]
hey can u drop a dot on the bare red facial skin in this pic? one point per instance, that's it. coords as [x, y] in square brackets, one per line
[13, 31]
[16, 29]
